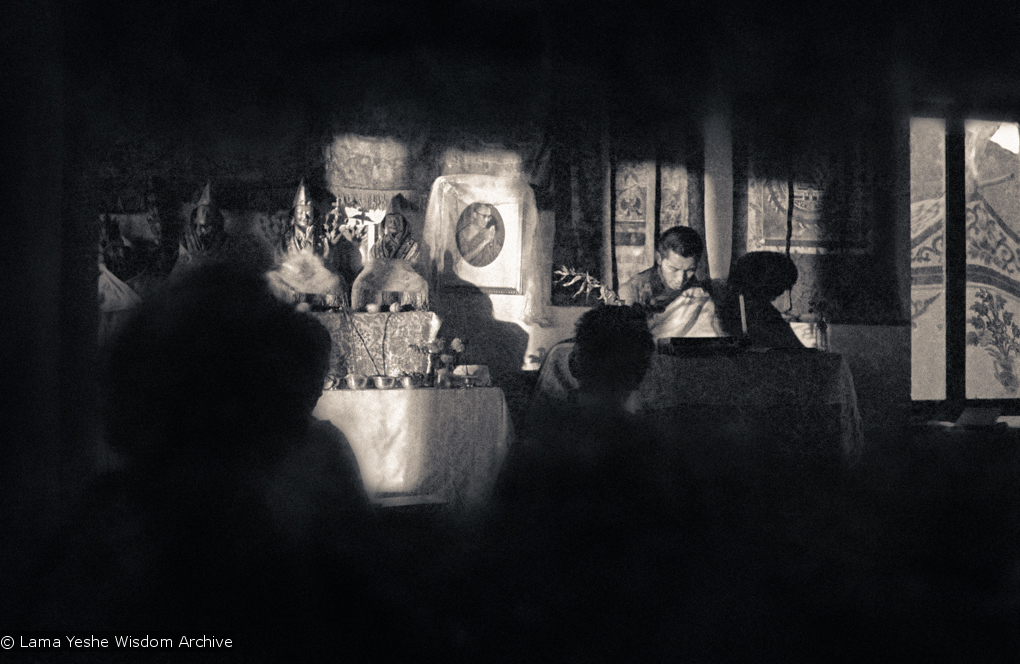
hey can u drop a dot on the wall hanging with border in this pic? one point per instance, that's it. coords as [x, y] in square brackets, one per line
[474, 231]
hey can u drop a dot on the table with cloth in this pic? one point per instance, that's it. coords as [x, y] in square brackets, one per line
[430, 444]
[802, 397]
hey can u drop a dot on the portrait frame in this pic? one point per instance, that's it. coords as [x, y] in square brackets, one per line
[502, 275]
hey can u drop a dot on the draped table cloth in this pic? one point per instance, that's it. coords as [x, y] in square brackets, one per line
[443, 444]
[802, 397]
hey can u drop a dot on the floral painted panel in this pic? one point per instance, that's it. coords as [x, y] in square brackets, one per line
[927, 259]
[993, 272]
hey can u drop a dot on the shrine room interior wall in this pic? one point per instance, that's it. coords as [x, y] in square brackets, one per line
[866, 295]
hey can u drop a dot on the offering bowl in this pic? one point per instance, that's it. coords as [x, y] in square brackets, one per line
[357, 382]
[384, 382]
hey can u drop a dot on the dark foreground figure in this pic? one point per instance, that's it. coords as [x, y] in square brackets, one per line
[234, 511]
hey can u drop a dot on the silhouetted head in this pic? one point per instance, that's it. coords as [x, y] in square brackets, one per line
[613, 349]
[762, 274]
[214, 366]
[678, 255]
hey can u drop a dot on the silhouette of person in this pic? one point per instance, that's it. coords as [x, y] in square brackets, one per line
[761, 277]
[234, 509]
[582, 511]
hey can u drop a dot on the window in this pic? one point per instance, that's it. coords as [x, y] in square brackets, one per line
[965, 275]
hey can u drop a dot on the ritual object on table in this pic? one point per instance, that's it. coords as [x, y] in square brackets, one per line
[302, 276]
[389, 279]
[442, 359]
[471, 375]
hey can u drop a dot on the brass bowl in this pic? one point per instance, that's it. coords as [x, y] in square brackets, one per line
[384, 382]
[357, 382]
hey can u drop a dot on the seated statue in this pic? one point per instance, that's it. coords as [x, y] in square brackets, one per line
[677, 303]
[395, 241]
[389, 279]
[205, 234]
[302, 275]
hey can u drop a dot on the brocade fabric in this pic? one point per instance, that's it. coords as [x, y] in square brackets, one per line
[380, 343]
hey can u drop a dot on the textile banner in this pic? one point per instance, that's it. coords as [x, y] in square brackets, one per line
[379, 343]
[673, 189]
[368, 172]
[634, 218]
[832, 206]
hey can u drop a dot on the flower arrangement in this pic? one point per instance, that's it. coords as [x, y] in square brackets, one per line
[996, 332]
[589, 285]
[438, 352]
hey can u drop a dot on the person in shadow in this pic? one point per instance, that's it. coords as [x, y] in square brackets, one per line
[467, 314]
[580, 540]
[761, 277]
[233, 510]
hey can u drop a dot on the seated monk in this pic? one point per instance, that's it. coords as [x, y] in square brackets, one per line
[677, 303]
[760, 276]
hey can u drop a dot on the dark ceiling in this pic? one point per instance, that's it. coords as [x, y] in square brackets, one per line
[261, 72]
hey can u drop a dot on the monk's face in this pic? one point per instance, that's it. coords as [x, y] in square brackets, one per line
[482, 216]
[676, 270]
[392, 225]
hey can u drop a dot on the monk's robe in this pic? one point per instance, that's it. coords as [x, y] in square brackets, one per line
[690, 314]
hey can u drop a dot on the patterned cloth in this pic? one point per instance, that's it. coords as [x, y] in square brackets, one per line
[802, 397]
[446, 444]
[378, 344]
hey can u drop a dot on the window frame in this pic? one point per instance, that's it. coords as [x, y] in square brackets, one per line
[956, 400]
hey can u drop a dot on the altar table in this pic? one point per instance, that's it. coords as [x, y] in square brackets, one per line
[802, 397]
[429, 444]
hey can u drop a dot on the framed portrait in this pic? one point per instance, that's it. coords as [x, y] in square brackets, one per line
[481, 222]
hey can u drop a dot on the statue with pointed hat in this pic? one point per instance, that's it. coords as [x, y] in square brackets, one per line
[302, 226]
[205, 233]
[302, 275]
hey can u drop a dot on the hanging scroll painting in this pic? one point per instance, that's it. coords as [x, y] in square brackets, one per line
[673, 189]
[832, 207]
[634, 218]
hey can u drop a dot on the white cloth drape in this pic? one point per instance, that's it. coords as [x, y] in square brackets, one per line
[526, 257]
